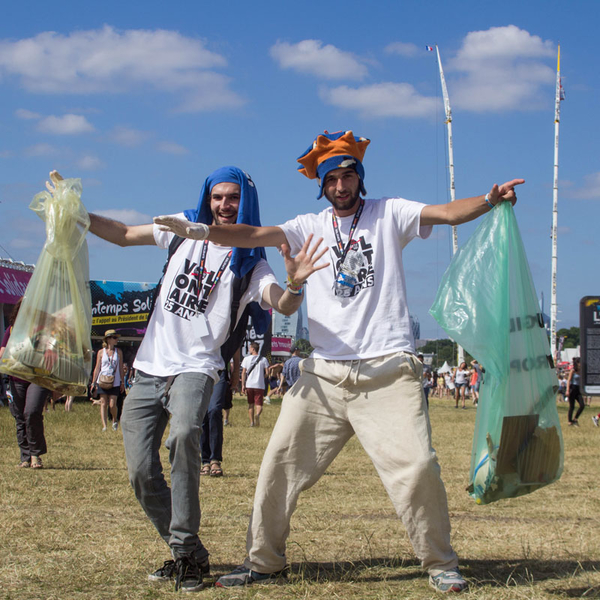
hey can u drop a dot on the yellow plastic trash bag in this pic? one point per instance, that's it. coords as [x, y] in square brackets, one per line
[487, 303]
[50, 341]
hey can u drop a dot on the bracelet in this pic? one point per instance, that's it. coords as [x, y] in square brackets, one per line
[487, 200]
[294, 288]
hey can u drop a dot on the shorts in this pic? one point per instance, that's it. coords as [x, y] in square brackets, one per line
[113, 391]
[255, 396]
[459, 385]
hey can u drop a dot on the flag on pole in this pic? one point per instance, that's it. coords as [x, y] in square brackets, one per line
[429, 48]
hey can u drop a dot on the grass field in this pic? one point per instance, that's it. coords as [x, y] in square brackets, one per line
[74, 529]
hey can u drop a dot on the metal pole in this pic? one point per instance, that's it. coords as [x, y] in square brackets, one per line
[448, 111]
[553, 302]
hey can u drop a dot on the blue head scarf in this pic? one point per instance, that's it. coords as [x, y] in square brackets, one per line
[242, 259]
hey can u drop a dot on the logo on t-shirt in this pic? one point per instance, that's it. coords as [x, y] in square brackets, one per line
[184, 299]
[359, 259]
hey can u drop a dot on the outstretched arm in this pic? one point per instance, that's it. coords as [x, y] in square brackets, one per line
[467, 209]
[299, 268]
[237, 236]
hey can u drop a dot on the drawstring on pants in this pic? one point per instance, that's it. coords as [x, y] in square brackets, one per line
[354, 363]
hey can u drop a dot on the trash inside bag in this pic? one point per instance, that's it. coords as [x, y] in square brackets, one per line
[487, 303]
[50, 341]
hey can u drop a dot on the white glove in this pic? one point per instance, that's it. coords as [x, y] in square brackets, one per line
[181, 227]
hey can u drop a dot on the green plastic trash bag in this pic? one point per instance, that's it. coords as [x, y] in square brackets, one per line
[487, 303]
[50, 341]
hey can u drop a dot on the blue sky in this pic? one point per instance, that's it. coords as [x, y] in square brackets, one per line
[142, 100]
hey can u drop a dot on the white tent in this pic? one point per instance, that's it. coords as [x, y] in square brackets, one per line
[445, 368]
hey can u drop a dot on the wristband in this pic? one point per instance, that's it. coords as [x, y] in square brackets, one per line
[294, 288]
[487, 200]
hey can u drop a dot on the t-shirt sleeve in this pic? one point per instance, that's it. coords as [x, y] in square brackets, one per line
[407, 214]
[297, 230]
[163, 238]
[262, 277]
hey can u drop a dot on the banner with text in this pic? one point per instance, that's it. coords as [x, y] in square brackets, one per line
[13, 284]
[121, 305]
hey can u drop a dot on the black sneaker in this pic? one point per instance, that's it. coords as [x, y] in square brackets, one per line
[241, 576]
[164, 573]
[167, 571]
[188, 576]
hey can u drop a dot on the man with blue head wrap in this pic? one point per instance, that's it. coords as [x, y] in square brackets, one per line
[363, 377]
[180, 359]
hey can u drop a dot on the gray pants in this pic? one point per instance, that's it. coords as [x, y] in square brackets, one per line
[174, 512]
[381, 401]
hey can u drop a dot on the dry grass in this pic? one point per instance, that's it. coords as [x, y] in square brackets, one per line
[74, 530]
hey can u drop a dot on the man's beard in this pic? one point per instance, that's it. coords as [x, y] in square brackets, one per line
[347, 203]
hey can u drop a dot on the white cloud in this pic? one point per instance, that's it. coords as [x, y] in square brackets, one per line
[23, 113]
[402, 49]
[127, 216]
[90, 163]
[126, 136]
[65, 125]
[41, 150]
[590, 189]
[171, 148]
[108, 60]
[311, 56]
[502, 68]
[381, 100]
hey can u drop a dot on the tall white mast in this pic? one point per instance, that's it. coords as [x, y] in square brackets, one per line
[553, 303]
[448, 111]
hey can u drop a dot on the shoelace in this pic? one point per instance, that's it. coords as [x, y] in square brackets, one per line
[184, 565]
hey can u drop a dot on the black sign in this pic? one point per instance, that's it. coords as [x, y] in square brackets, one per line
[589, 331]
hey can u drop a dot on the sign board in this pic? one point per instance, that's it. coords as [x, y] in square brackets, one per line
[121, 305]
[281, 346]
[285, 325]
[13, 284]
[263, 340]
[589, 331]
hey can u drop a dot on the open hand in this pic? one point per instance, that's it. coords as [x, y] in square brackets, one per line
[301, 266]
[182, 227]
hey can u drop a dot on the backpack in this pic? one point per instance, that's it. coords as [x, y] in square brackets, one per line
[237, 331]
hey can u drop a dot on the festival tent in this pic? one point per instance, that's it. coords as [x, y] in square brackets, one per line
[445, 368]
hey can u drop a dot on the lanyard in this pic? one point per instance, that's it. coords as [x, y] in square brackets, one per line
[336, 230]
[218, 275]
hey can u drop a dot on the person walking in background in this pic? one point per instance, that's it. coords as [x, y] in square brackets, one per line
[574, 392]
[109, 365]
[27, 407]
[254, 375]
[291, 368]
[212, 426]
[461, 381]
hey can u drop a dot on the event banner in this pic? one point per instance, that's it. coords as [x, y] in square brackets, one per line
[281, 345]
[285, 325]
[121, 305]
[13, 284]
[589, 332]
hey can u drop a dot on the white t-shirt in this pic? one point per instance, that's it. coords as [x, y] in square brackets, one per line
[375, 320]
[172, 344]
[256, 379]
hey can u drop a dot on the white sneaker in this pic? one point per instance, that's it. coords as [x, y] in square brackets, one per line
[115, 425]
[104, 429]
[596, 421]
